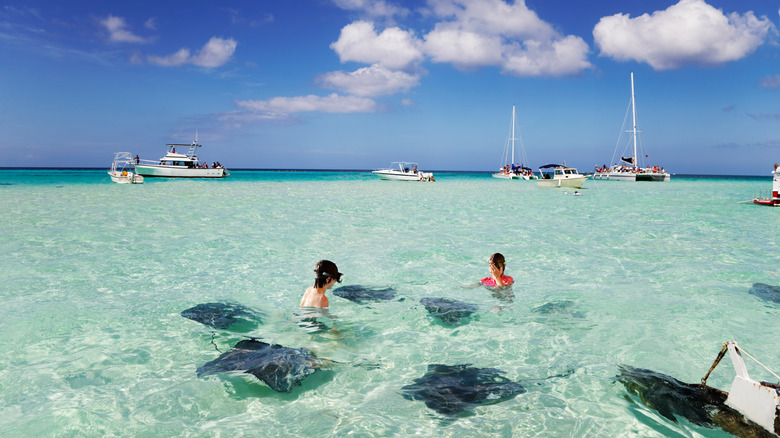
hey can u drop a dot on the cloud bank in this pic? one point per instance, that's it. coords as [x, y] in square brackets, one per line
[690, 32]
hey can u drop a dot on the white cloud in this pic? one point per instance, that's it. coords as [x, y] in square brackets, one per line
[117, 30]
[215, 53]
[372, 8]
[333, 103]
[495, 17]
[553, 58]
[370, 81]
[770, 82]
[689, 32]
[462, 48]
[393, 48]
[482, 33]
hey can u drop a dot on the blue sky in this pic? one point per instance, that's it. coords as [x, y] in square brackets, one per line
[355, 84]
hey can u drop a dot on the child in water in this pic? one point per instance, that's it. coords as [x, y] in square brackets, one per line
[326, 275]
[497, 277]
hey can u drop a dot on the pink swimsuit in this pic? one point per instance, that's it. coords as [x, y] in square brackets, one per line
[491, 282]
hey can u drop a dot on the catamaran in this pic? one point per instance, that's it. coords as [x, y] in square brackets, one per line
[509, 170]
[629, 168]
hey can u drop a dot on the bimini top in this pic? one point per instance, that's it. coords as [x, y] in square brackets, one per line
[547, 166]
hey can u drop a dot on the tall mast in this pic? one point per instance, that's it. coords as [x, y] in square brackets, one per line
[633, 110]
[513, 136]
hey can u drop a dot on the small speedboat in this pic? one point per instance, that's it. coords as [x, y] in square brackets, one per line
[403, 171]
[560, 176]
[121, 170]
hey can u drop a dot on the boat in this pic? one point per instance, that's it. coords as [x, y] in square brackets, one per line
[400, 171]
[121, 170]
[510, 170]
[556, 175]
[758, 401]
[178, 165]
[629, 168]
[774, 199]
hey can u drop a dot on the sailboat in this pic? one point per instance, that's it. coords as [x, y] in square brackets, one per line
[629, 168]
[508, 169]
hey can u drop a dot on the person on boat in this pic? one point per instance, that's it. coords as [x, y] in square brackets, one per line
[497, 277]
[326, 275]
[777, 169]
[137, 159]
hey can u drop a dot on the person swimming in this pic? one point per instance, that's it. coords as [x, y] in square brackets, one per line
[326, 275]
[497, 277]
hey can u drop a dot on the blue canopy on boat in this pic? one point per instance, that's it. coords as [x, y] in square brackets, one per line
[547, 166]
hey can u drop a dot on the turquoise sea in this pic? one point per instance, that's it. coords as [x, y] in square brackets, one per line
[94, 275]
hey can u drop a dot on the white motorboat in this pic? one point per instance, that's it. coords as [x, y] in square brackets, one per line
[180, 165]
[121, 170]
[758, 401]
[629, 168]
[556, 175]
[508, 169]
[403, 171]
[774, 199]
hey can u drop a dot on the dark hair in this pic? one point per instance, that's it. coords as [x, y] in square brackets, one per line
[323, 270]
[498, 260]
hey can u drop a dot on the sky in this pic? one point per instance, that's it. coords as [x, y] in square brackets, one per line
[356, 84]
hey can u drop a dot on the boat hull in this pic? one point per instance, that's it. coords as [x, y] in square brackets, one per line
[574, 183]
[629, 176]
[394, 175]
[153, 170]
[517, 177]
[129, 178]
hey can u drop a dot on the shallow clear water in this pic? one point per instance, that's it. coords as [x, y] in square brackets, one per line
[94, 275]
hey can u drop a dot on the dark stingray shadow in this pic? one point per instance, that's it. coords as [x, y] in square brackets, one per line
[225, 316]
[449, 312]
[364, 294]
[566, 308]
[281, 368]
[453, 390]
[674, 400]
[766, 292]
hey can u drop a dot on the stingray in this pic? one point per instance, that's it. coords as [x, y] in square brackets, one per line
[450, 389]
[224, 315]
[279, 367]
[363, 294]
[700, 404]
[450, 312]
[562, 307]
[766, 292]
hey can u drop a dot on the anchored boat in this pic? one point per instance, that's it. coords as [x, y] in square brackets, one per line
[178, 165]
[774, 200]
[403, 171]
[629, 168]
[560, 176]
[510, 170]
[121, 170]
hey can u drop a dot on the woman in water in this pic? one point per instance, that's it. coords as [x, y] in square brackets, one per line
[497, 277]
[326, 275]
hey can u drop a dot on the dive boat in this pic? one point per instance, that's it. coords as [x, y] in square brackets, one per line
[774, 200]
[510, 170]
[121, 170]
[560, 176]
[400, 171]
[629, 168]
[178, 165]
